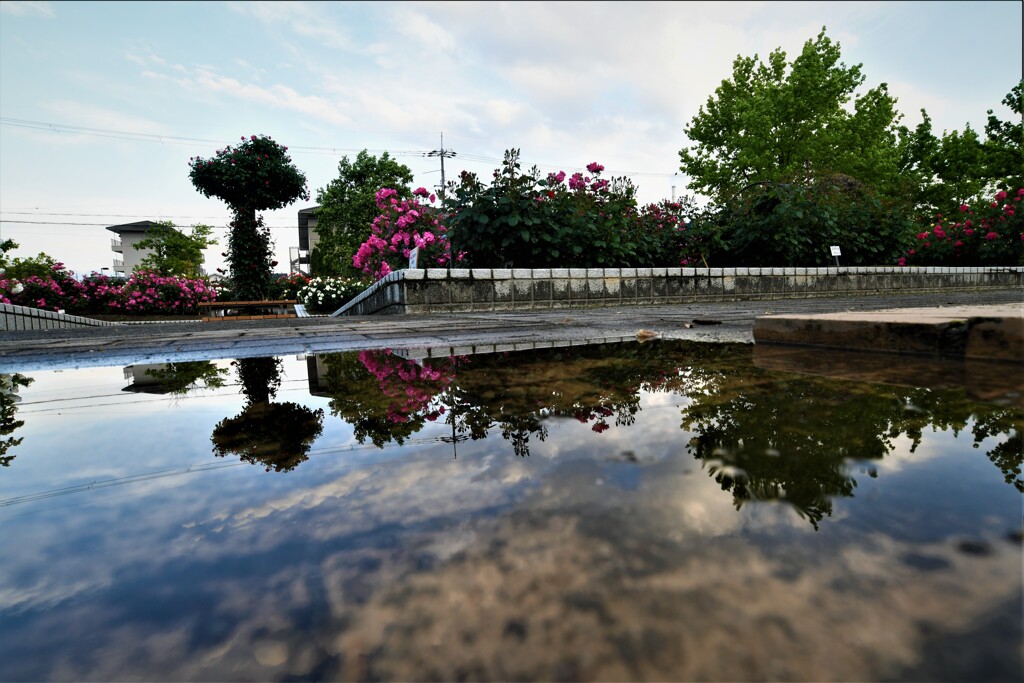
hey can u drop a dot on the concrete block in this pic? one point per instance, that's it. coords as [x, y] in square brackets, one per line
[502, 273]
[503, 291]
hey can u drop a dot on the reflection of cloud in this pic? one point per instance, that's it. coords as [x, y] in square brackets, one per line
[900, 456]
[411, 565]
[22, 8]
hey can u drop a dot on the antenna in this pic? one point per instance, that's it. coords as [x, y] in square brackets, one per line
[442, 153]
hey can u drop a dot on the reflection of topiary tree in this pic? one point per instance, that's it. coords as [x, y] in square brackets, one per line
[276, 435]
[254, 176]
[9, 385]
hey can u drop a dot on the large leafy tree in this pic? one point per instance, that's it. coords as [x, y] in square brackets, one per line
[257, 175]
[173, 252]
[779, 120]
[1004, 144]
[347, 208]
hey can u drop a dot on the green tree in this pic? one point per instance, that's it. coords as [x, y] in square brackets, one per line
[941, 172]
[257, 175]
[41, 265]
[173, 252]
[347, 209]
[1004, 155]
[779, 120]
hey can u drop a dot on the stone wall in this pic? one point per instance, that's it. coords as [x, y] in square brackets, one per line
[440, 290]
[25, 318]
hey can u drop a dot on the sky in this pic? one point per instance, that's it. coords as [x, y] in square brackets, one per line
[103, 103]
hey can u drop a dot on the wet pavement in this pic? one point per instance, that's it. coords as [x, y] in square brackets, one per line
[437, 334]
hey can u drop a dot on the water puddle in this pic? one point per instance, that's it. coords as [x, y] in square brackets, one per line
[667, 510]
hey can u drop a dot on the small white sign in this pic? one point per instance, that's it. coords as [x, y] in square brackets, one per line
[414, 256]
[835, 251]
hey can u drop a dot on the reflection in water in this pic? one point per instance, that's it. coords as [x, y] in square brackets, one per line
[762, 435]
[275, 435]
[175, 378]
[627, 546]
[9, 385]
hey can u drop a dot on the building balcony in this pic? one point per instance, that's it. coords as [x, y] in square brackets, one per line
[115, 245]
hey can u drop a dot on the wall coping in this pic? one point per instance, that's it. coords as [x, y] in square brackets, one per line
[719, 281]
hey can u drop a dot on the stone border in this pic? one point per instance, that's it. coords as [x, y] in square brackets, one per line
[465, 290]
[25, 318]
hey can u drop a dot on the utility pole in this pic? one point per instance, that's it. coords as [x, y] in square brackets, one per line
[442, 153]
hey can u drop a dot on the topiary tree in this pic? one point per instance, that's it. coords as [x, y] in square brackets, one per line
[257, 175]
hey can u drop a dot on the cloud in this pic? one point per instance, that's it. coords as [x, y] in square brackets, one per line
[302, 18]
[19, 8]
[93, 116]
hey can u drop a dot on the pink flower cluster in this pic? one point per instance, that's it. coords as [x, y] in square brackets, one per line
[148, 292]
[989, 234]
[144, 292]
[402, 225]
[411, 388]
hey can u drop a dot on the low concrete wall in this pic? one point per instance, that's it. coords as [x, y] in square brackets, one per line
[440, 290]
[25, 318]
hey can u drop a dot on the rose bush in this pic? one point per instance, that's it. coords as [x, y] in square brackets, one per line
[980, 233]
[144, 293]
[403, 225]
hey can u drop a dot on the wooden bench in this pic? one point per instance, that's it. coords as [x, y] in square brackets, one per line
[220, 311]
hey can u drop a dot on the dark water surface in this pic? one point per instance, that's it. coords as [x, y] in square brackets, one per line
[663, 511]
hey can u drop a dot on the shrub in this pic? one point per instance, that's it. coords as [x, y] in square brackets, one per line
[527, 221]
[794, 224]
[403, 225]
[289, 286]
[582, 220]
[147, 292]
[328, 294]
[989, 233]
[55, 291]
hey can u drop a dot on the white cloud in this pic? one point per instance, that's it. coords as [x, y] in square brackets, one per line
[22, 8]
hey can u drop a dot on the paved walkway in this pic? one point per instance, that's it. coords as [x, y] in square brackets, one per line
[731, 321]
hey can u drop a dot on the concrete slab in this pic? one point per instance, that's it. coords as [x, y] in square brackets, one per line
[992, 332]
[26, 350]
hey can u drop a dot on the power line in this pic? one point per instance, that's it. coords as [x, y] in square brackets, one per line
[305, 149]
[175, 225]
[181, 140]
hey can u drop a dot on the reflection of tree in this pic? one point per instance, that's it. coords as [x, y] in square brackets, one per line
[383, 396]
[9, 385]
[776, 436]
[763, 435]
[180, 378]
[386, 397]
[276, 435]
